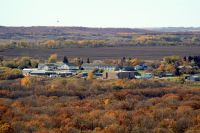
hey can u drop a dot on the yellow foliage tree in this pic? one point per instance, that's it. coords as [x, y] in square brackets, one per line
[161, 67]
[120, 82]
[52, 58]
[25, 81]
[145, 38]
[90, 76]
[170, 68]
[51, 43]
[107, 101]
[171, 59]
[135, 62]
[5, 128]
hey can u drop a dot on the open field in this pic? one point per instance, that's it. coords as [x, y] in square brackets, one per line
[142, 52]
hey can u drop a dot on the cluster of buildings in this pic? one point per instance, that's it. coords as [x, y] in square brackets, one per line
[107, 71]
[52, 70]
[70, 69]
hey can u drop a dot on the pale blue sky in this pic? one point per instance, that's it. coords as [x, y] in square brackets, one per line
[100, 13]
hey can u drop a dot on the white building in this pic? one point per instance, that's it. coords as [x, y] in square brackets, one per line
[92, 66]
[51, 70]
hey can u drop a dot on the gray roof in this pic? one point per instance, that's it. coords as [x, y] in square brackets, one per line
[57, 64]
[100, 65]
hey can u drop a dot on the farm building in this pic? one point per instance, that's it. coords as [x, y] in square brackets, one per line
[56, 73]
[92, 66]
[166, 74]
[128, 68]
[147, 76]
[141, 67]
[120, 75]
[51, 70]
[193, 78]
[57, 66]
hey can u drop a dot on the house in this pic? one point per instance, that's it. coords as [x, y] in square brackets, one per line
[83, 75]
[57, 66]
[42, 73]
[147, 76]
[120, 75]
[98, 74]
[92, 66]
[141, 67]
[49, 66]
[188, 69]
[56, 73]
[193, 77]
[166, 74]
[128, 68]
[52, 70]
[68, 66]
[26, 71]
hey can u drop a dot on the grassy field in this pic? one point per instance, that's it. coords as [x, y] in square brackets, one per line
[142, 52]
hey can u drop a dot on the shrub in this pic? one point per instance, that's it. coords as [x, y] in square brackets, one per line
[9, 74]
[116, 87]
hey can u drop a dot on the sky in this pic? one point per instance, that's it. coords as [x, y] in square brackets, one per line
[101, 13]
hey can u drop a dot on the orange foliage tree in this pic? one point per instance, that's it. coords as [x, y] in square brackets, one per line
[170, 68]
[135, 62]
[25, 81]
[52, 58]
[90, 76]
[5, 128]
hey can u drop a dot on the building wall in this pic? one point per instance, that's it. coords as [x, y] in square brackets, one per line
[128, 75]
[110, 75]
[119, 75]
[103, 67]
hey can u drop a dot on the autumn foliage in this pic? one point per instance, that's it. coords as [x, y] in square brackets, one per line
[90, 76]
[26, 81]
[52, 58]
[71, 105]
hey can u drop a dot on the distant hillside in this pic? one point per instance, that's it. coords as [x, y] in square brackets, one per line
[53, 32]
[175, 29]
[59, 37]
